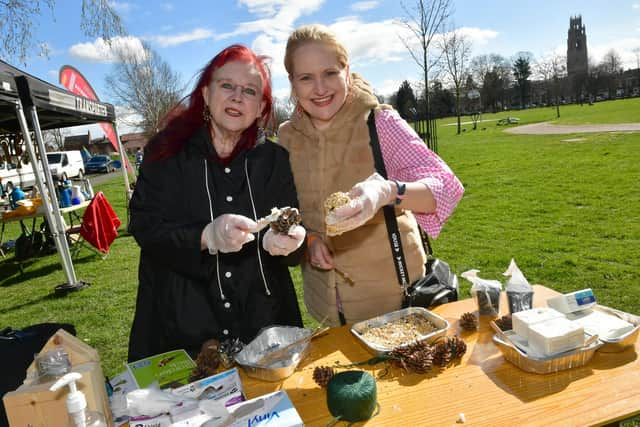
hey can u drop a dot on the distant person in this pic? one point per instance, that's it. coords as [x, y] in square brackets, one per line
[139, 157]
[328, 141]
[204, 273]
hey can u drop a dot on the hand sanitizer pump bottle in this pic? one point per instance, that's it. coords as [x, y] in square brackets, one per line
[77, 404]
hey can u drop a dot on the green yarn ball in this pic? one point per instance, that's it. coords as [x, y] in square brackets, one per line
[351, 395]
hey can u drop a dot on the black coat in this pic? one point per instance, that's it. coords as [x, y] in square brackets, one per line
[180, 300]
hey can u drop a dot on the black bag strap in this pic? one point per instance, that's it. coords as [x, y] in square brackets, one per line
[389, 212]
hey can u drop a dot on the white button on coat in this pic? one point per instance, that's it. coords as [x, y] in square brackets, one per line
[229, 198]
[227, 304]
[226, 332]
[227, 170]
[227, 274]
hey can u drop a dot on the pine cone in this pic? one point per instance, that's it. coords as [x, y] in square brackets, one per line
[505, 322]
[441, 354]
[207, 361]
[288, 218]
[468, 322]
[322, 375]
[457, 346]
[416, 357]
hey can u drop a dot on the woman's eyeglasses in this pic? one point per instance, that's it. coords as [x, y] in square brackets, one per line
[249, 92]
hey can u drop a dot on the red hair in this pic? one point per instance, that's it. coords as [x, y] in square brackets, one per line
[186, 117]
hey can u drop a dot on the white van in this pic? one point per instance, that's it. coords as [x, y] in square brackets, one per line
[12, 176]
[65, 164]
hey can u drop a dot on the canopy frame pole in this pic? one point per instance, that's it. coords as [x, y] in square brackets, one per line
[45, 185]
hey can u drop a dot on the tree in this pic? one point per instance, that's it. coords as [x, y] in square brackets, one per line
[405, 101]
[553, 69]
[17, 17]
[522, 72]
[427, 19]
[611, 62]
[456, 49]
[146, 84]
[54, 139]
[493, 74]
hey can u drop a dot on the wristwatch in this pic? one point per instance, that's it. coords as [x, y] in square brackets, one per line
[402, 188]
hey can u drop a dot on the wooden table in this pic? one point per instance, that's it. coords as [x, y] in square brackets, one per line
[489, 390]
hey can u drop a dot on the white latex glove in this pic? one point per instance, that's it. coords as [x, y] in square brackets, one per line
[283, 244]
[367, 197]
[228, 233]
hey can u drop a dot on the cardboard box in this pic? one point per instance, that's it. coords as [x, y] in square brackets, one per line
[33, 404]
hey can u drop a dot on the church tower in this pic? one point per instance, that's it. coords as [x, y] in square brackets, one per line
[577, 59]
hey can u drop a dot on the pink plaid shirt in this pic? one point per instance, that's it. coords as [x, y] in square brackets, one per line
[407, 159]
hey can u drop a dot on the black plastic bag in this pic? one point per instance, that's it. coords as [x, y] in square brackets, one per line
[438, 286]
[28, 244]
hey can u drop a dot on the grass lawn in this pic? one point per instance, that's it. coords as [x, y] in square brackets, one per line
[565, 207]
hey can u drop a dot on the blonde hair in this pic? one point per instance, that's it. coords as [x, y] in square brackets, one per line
[313, 33]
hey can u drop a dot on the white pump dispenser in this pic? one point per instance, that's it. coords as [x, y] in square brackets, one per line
[77, 403]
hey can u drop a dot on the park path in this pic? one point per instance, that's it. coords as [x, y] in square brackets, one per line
[547, 128]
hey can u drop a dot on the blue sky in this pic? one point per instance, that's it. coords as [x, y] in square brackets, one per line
[187, 34]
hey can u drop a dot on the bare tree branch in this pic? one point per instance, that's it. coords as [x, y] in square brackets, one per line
[146, 84]
[18, 25]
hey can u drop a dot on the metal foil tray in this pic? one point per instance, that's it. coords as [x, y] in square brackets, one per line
[359, 328]
[625, 341]
[269, 339]
[545, 365]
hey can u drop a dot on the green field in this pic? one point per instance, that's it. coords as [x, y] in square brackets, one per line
[564, 206]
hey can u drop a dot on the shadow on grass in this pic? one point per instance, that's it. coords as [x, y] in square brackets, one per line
[11, 270]
[48, 297]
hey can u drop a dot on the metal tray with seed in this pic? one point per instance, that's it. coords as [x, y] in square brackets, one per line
[358, 329]
[621, 343]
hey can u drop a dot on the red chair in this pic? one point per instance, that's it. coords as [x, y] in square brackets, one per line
[99, 226]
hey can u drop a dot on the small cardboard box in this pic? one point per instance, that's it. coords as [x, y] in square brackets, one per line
[33, 404]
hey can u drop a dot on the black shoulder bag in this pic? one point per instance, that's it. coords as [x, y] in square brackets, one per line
[439, 285]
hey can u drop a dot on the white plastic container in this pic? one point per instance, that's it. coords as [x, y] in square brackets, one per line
[574, 301]
[523, 320]
[555, 336]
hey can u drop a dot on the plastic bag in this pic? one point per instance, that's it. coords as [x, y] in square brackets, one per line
[519, 291]
[485, 292]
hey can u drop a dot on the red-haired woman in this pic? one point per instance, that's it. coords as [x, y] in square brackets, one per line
[206, 178]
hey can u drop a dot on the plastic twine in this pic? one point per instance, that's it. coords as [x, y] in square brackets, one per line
[351, 396]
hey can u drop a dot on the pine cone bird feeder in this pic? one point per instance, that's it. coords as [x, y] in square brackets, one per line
[468, 322]
[288, 218]
[322, 375]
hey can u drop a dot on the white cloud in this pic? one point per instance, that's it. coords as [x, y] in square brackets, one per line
[102, 51]
[53, 74]
[121, 7]
[478, 36]
[624, 47]
[177, 39]
[277, 17]
[168, 7]
[388, 87]
[635, 6]
[362, 6]
[266, 45]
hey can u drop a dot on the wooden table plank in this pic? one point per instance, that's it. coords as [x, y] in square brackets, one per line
[489, 390]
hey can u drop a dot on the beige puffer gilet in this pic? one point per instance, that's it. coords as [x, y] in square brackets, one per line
[335, 159]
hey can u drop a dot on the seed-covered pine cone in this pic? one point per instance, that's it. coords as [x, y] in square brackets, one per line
[207, 361]
[457, 346]
[441, 354]
[288, 218]
[469, 322]
[505, 322]
[322, 375]
[416, 358]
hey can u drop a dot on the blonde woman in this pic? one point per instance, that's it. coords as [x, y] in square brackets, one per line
[351, 276]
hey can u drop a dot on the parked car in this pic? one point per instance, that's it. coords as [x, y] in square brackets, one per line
[66, 164]
[101, 163]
